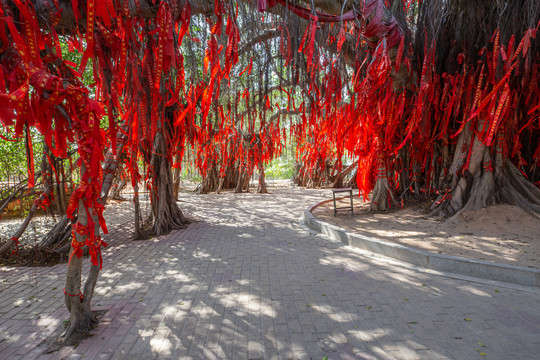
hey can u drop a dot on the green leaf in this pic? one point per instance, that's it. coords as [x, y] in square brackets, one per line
[482, 345]
[482, 354]
[467, 319]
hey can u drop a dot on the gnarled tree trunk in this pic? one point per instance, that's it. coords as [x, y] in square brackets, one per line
[166, 215]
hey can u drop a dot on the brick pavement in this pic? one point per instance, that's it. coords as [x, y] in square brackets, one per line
[247, 282]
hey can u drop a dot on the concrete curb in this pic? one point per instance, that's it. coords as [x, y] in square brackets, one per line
[447, 263]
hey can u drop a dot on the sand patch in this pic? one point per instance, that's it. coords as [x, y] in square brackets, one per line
[502, 233]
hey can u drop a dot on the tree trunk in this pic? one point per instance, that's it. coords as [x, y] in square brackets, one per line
[176, 180]
[166, 215]
[211, 182]
[261, 188]
[382, 191]
[247, 178]
[139, 232]
[475, 179]
[338, 181]
[82, 319]
[352, 182]
[110, 165]
[62, 186]
[382, 194]
[57, 237]
[118, 185]
[240, 183]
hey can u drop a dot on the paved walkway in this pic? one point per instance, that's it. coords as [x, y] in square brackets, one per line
[248, 282]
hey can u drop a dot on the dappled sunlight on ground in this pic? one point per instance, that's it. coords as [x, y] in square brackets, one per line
[502, 233]
[246, 281]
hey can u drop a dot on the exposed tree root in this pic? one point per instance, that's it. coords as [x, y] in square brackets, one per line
[81, 322]
[506, 185]
[482, 190]
[518, 191]
[484, 183]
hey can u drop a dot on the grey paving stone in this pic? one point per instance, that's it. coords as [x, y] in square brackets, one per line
[238, 285]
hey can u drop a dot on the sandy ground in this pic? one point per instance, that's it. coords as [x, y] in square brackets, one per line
[501, 233]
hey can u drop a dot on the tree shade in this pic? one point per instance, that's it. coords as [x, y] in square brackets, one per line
[437, 99]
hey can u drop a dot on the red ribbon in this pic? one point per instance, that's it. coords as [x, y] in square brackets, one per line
[16, 241]
[80, 294]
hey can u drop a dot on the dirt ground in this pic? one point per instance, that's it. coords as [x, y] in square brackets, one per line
[502, 233]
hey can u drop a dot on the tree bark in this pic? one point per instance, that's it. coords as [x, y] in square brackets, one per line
[166, 215]
[176, 180]
[110, 165]
[261, 188]
[338, 182]
[82, 319]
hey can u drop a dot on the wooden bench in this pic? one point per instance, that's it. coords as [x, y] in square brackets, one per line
[343, 208]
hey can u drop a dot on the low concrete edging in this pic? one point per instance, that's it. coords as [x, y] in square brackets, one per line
[439, 262]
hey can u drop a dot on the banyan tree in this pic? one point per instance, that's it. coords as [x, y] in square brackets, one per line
[437, 99]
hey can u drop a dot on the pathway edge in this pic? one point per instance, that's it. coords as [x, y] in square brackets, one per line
[448, 263]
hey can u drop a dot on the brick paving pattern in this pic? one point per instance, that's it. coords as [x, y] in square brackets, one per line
[248, 282]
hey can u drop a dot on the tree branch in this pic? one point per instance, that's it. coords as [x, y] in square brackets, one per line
[283, 112]
[267, 35]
